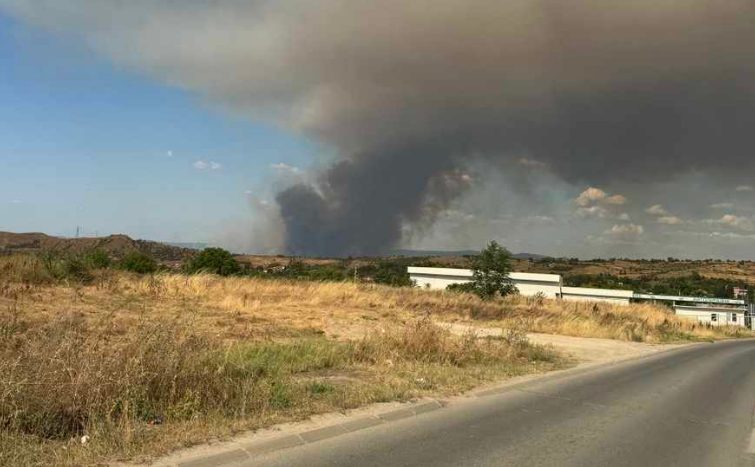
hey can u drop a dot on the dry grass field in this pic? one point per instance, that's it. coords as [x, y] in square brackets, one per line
[143, 365]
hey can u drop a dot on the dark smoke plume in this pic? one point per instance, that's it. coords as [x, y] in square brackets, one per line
[411, 92]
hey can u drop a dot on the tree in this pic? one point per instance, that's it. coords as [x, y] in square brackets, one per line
[138, 262]
[214, 261]
[491, 272]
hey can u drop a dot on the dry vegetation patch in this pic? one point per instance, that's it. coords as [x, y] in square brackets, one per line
[142, 365]
[146, 364]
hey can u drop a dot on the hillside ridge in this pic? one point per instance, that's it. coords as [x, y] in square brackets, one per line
[117, 246]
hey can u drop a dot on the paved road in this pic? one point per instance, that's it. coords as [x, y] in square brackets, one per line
[690, 407]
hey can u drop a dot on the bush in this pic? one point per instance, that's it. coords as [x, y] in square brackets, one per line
[76, 269]
[97, 259]
[393, 273]
[65, 267]
[467, 287]
[214, 261]
[140, 263]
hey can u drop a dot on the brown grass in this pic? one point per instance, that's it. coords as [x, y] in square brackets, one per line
[335, 306]
[144, 365]
[209, 356]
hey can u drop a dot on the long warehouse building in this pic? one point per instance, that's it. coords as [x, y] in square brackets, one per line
[705, 310]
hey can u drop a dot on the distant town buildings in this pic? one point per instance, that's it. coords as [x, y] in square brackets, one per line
[740, 293]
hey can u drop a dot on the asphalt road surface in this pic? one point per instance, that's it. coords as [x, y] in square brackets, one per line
[690, 407]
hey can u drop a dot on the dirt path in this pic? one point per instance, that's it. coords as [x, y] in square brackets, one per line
[583, 349]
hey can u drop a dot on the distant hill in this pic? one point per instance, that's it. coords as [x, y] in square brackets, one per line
[189, 245]
[443, 253]
[116, 246]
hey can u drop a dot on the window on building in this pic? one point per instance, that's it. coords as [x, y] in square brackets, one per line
[714, 317]
[733, 317]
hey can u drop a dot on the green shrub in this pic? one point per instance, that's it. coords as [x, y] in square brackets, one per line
[138, 262]
[97, 259]
[215, 261]
[75, 268]
[393, 273]
[65, 267]
[491, 272]
[467, 287]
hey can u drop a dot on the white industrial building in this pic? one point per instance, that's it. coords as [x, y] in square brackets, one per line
[715, 316]
[527, 284]
[713, 311]
[549, 285]
[584, 294]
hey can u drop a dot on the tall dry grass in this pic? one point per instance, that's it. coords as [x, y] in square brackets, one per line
[636, 322]
[165, 381]
[145, 364]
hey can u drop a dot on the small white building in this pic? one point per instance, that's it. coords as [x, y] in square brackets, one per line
[584, 294]
[713, 315]
[527, 284]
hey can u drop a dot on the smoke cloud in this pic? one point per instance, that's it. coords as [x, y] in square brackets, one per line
[411, 93]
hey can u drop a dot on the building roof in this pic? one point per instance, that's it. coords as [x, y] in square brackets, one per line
[467, 273]
[711, 309]
[604, 293]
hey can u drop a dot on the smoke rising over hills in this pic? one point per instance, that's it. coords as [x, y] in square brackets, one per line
[411, 94]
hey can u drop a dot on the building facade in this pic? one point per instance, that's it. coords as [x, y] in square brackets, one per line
[584, 294]
[549, 285]
[712, 315]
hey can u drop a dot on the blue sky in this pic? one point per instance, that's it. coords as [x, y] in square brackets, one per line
[86, 143]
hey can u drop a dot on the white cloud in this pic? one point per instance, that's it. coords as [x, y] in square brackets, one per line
[732, 236]
[169, 153]
[248, 192]
[592, 211]
[669, 220]
[722, 206]
[744, 188]
[283, 167]
[626, 230]
[202, 165]
[15, 201]
[540, 220]
[656, 210]
[617, 200]
[596, 203]
[730, 220]
[590, 195]
[717, 235]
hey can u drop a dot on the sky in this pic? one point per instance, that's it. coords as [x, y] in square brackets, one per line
[85, 143]
[582, 129]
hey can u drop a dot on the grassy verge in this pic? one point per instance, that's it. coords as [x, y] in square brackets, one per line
[163, 385]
